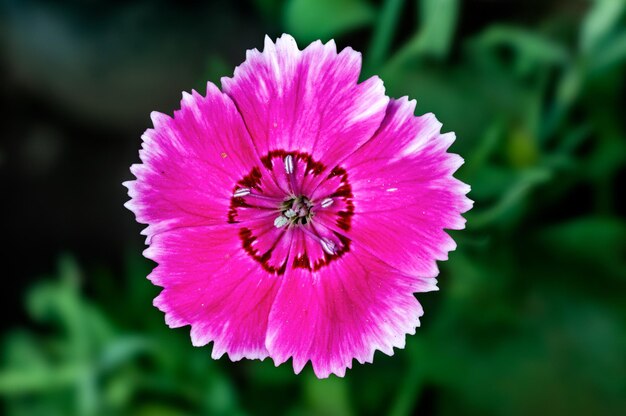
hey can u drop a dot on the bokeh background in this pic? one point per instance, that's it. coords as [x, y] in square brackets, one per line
[531, 314]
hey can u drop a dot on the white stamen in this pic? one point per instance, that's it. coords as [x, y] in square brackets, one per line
[289, 164]
[290, 213]
[280, 221]
[327, 202]
[241, 192]
[327, 245]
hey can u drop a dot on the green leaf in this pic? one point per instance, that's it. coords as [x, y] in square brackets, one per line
[410, 388]
[608, 156]
[521, 148]
[511, 201]
[383, 33]
[221, 397]
[486, 145]
[531, 49]
[37, 380]
[157, 409]
[310, 20]
[601, 20]
[122, 350]
[612, 54]
[593, 240]
[328, 396]
[438, 19]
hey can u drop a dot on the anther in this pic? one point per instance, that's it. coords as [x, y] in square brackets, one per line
[289, 167]
[241, 192]
[328, 246]
[327, 202]
[280, 221]
[290, 213]
[289, 164]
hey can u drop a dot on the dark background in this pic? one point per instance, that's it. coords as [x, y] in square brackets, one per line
[530, 316]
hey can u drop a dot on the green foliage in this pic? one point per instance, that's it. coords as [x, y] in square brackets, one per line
[383, 32]
[601, 20]
[433, 38]
[309, 20]
[530, 317]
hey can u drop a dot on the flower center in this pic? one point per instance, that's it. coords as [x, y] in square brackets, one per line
[292, 212]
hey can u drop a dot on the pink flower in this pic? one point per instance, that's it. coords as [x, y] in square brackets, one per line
[294, 214]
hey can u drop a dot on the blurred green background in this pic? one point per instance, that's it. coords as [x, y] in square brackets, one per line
[531, 315]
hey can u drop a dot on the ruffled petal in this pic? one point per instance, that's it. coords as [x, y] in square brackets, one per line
[404, 191]
[191, 163]
[213, 285]
[347, 310]
[307, 100]
[295, 214]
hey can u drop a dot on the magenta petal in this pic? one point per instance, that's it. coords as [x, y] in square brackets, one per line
[307, 100]
[212, 285]
[190, 164]
[348, 310]
[296, 214]
[402, 180]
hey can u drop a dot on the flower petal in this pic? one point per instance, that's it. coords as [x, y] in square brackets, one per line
[404, 191]
[306, 100]
[190, 164]
[348, 309]
[211, 284]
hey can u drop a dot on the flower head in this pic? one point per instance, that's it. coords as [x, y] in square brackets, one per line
[295, 213]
